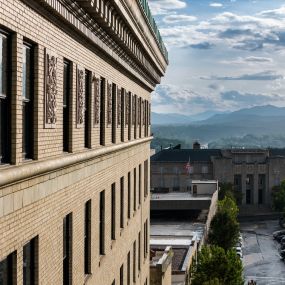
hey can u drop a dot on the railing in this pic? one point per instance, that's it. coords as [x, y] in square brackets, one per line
[144, 5]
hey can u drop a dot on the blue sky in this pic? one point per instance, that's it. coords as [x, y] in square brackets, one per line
[224, 55]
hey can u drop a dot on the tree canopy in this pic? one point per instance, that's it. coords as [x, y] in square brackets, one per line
[278, 197]
[215, 266]
[224, 227]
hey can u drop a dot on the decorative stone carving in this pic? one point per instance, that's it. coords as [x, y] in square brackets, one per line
[109, 103]
[80, 97]
[50, 89]
[96, 100]
[119, 106]
[127, 107]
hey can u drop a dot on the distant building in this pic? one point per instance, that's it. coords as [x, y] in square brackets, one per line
[182, 220]
[160, 265]
[253, 172]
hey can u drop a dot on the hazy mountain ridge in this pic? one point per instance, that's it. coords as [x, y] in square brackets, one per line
[264, 123]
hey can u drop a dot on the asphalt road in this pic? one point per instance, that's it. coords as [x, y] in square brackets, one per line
[260, 254]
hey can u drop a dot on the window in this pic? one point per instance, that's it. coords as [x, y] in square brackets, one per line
[114, 104]
[87, 238]
[122, 115]
[129, 269]
[114, 282]
[129, 195]
[122, 275]
[139, 252]
[146, 178]
[134, 261]
[5, 100]
[67, 250]
[66, 104]
[113, 210]
[87, 113]
[135, 189]
[145, 238]
[27, 101]
[30, 262]
[8, 270]
[102, 111]
[102, 223]
[122, 200]
[129, 115]
[140, 183]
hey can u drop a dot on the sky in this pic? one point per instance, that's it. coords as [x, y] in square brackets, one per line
[223, 55]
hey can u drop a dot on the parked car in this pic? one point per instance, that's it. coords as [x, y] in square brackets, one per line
[278, 233]
[239, 254]
[282, 247]
[279, 238]
[282, 255]
[238, 249]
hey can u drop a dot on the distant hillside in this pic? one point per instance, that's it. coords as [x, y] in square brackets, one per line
[261, 122]
[178, 119]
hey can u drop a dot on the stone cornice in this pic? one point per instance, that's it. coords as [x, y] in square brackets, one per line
[15, 174]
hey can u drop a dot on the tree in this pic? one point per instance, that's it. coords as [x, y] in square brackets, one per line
[224, 230]
[227, 189]
[278, 197]
[215, 266]
[228, 205]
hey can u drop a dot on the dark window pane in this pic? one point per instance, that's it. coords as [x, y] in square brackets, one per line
[27, 95]
[66, 105]
[30, 263]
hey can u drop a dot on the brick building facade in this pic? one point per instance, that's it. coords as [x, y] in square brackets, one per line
[253, 172]
[75, 86]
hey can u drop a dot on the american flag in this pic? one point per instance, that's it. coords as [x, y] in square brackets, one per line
[188, 166]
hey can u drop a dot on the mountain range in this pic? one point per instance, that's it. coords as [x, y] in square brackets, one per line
[262, 125]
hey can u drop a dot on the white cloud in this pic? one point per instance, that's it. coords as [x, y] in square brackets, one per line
[250, 60]
[178, 18]
[161, 7]
[216, 5]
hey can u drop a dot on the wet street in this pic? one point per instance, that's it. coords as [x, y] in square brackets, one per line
[260, 254]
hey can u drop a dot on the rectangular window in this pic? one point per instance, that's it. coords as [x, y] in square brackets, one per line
[122, 275]
[122, 114]
[134, 261]
[66, 103]
[135, 117]
[140, 183]
[27, 102]
[113, 210]
[139, 252]
[5, 100]
[102, 111]
[129, 195]
[122, 200]
[30, 262]
[102, 223]
[114, 113]
[8, 270]
[135, 189]
[146, 178]
[129, 269]
[146, 238]
[87, 112]
[67, 250]
[87, 238]
[130, 116]
[114, 282]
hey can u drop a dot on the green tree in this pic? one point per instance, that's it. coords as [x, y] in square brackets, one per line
[278, 197]
[216, 266]
[224, 230]
[228, 205]
[227, 189]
